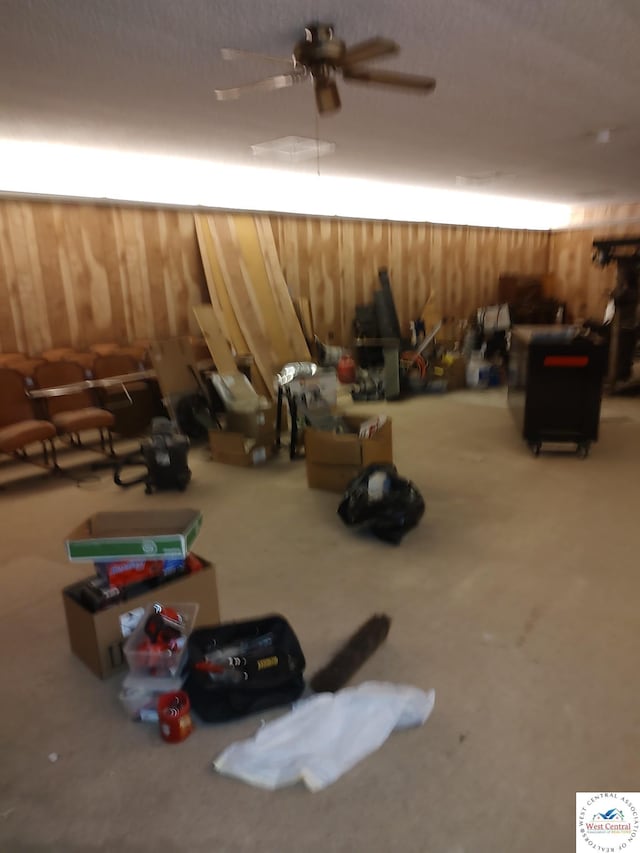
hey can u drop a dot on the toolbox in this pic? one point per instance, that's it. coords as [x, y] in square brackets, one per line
[556, 376]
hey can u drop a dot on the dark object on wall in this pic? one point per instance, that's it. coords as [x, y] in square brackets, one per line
[241, 668]
[353, 654]
[620, 249]
[387, 503]
[365, 323]
[513, 287]
[555, 386]
[625, 252]
[527, 303]
[164, 455]
[386, 313]
[540, 312]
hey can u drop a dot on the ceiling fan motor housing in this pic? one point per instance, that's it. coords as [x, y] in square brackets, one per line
[319, 48]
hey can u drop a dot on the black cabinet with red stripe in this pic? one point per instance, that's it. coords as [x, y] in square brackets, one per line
[555, 385]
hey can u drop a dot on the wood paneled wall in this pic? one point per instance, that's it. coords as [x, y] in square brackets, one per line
[584, 286]
[77, 274]
[335, 264]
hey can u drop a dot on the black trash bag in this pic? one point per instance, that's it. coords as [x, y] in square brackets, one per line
[386, 502]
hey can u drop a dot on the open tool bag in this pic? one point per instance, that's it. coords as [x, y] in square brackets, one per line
[240, 668]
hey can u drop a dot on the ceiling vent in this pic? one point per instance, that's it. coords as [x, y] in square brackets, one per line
[293, 149]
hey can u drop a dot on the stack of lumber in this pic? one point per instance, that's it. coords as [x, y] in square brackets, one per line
[251, 310]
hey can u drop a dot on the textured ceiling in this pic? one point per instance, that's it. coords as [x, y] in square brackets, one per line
[523, 85]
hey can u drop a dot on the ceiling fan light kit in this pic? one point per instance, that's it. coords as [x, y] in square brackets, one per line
[320, 56]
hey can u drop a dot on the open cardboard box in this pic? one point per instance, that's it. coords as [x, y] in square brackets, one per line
[260, 425]
[98, 638]
[333, 460]
[234, 448]
[158, 534]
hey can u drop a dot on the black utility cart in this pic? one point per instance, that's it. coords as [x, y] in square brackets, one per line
[556, 375]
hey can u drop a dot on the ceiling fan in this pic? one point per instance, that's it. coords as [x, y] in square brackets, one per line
[319, 57]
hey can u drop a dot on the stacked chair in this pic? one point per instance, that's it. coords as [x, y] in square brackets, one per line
[20, 425]
[75, 413]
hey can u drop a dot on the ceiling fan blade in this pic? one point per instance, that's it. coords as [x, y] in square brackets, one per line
[232, 53]
[413, 82]
[327, 97]
[269, 84]
[370, 49]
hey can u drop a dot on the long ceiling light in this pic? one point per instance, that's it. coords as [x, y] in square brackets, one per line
[52, 170]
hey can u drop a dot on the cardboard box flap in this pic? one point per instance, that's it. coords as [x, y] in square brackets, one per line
[328, 448]
[143, 533]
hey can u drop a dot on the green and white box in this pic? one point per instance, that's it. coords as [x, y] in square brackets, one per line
[147, 534]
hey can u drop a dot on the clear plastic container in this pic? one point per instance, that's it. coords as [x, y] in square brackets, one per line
[139, 694]
[145, 658]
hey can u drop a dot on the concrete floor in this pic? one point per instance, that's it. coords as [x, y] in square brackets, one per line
[516, 599]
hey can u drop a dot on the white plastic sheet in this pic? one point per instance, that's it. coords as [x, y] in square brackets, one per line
[325, 735]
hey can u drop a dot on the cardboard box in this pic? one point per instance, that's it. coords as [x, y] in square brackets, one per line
[98, 638]
[233, 448]
[162, 534]
[260, 425]
[334, 460]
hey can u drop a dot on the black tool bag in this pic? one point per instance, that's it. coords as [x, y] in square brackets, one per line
[241, 668]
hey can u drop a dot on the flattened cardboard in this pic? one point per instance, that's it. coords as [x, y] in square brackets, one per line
[143, 533]
[97, 638]
[175, 363]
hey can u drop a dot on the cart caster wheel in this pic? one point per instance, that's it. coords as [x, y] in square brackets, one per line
[583, 451]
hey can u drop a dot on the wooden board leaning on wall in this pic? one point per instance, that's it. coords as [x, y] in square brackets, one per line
[248, 291]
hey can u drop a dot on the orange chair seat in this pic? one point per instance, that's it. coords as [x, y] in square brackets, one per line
[77, 420]
[17, 435]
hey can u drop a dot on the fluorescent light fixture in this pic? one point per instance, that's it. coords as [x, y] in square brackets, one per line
[48, 169]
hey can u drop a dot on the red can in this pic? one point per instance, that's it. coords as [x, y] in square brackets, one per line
[346, 369]
[174, 716]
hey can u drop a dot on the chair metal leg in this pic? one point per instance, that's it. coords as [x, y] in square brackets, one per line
[54, 456]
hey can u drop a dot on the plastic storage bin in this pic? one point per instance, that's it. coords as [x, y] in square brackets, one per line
[145, 659]
[140, 693]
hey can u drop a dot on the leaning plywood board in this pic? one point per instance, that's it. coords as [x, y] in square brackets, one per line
[303, 309]
[221, 305]
[271, 321]
[174, 363]
[296, 346]
[215, 339]
[241, 296]
[217, 291]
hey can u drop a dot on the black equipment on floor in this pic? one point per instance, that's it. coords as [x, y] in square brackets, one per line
[241, 668]
[380, 499]
[164, 455]
[555, 385]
